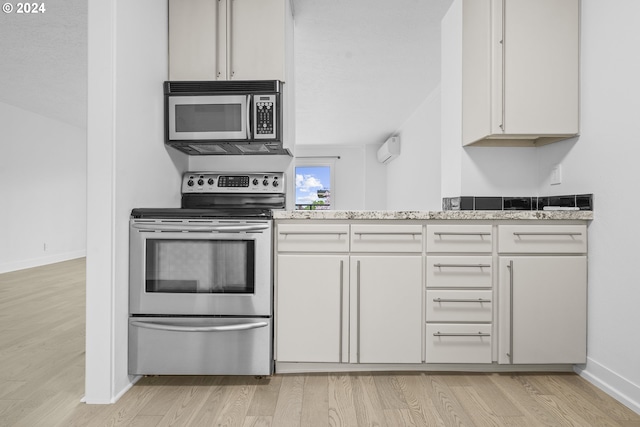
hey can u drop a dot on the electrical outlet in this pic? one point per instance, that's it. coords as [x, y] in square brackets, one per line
[44, 247]
[556, 175]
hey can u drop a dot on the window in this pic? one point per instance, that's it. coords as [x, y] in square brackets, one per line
[313, 187]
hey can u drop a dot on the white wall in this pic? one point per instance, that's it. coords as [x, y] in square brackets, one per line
[604, 161]
[42, 188]
[128, 167]
[349, 172]
[475, 171]
[413, 178]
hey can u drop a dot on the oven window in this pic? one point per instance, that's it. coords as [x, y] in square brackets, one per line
[200, 266]
[209, 118]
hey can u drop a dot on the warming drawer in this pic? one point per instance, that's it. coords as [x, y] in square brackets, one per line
[200, 346]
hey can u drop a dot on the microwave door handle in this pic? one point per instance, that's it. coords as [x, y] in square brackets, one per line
[249, 108]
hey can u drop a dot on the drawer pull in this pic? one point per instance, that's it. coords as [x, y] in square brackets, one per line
[548, 233]
[478, 300]
[463, 334]
[461, 233]
[312, 233]
[388, 233]
[463, 265]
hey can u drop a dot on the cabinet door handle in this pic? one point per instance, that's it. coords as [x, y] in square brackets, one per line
[341, 306]
[461, 233]
[218, 73]
[547, 233]
[358, 309]
[462, 334]
[463, 265]
[478, 300]
[504, 68]
[229, 46]
[510, 354]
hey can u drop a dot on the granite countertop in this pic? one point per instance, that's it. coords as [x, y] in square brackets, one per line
[437, 215]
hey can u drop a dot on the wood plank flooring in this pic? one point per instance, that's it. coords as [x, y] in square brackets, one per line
[42, 381]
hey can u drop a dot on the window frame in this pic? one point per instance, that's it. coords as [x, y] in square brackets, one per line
[316, 162]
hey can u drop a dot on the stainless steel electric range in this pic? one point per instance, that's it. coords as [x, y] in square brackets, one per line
[201, 279]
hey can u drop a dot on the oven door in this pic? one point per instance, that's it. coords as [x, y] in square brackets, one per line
[208, 117]
[208, 267]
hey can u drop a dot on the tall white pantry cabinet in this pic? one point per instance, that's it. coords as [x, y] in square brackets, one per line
[520, 71]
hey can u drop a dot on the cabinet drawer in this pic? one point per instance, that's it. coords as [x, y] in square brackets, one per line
[459, 238]
[459, 306]
[459, 271]
[542, 239]
[313, 237]
[386, 238]
[452, 343]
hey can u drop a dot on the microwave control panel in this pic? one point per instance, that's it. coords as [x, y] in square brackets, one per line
[265, 117]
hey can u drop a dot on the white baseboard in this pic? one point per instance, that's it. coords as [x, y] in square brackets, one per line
[37, 262]
[611, 383]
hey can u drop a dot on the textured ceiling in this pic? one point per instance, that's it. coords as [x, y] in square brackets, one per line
[362, 66]
[43, 61]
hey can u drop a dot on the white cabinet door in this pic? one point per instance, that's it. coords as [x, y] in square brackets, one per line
[541, 68]
[520, 84]
[312, 308]
[543, 304]
[386, 307]
[256, 40]
[227, 39]
[196, 36]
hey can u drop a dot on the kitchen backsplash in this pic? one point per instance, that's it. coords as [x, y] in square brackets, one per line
[583, 202]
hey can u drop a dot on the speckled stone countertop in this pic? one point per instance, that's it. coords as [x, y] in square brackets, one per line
[437, 215]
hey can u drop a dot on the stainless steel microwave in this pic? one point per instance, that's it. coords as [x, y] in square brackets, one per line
[224, 117]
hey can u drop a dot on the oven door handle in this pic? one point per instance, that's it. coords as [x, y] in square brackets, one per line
[201, 228]
[177, 328]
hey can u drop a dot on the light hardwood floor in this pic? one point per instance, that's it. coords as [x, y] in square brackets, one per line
[42, 382]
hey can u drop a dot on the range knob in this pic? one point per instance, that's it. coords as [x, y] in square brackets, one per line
[265, 182]
[255, 181]
[190, 183]
[201, 182]
[210, 181]
[275, 183]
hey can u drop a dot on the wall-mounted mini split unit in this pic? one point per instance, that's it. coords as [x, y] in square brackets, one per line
[389, 150]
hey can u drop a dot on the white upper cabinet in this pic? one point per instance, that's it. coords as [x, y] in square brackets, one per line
[520, 71]
[228, 39]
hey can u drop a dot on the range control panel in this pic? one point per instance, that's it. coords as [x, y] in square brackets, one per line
[255, 182]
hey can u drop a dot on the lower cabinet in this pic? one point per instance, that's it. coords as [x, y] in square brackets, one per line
[386, 295]
[543, 309]
[368, 293]
[312, 317]
[340, 309]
